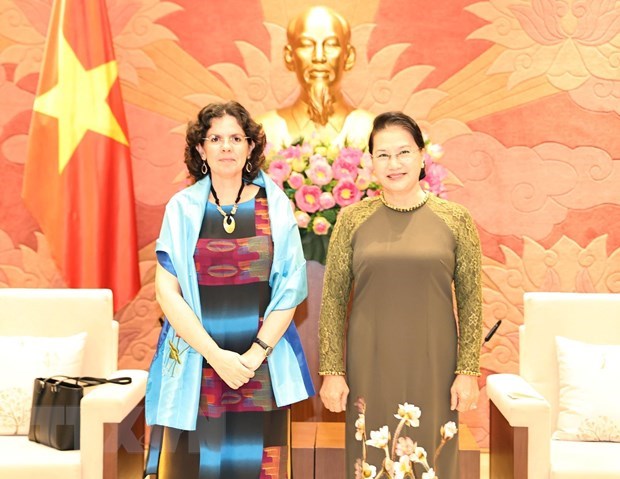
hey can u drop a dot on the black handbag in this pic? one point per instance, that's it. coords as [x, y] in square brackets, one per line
[55, 414]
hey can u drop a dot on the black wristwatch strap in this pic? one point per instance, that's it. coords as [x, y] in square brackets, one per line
[264, 345]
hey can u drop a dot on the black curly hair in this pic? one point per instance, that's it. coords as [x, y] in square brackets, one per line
[197, 130]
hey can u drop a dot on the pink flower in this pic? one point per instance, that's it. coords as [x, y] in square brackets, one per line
[296, 180]
[364, 178]
[405, 446]
[366, 161]
[372, 193]
[291, 152]
[343, 168]
[295, 156]
[307, 198]
[320, 226]
[327, 201]
[351, 155]
[306, 149]
[435, 176]
[320, 173]
[279, 170]
[346, 193]
[317, 157]
[303, 219]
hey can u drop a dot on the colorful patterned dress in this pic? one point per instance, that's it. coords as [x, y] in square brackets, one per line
[241, 433]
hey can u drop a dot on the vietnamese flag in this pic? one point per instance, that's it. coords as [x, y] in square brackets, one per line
[78, 182]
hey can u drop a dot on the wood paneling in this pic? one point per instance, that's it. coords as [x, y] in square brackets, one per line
[303, 441]
[507, 447]
[123, 446]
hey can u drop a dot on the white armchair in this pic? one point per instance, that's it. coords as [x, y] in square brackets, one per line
[524, 408]
[112, 416]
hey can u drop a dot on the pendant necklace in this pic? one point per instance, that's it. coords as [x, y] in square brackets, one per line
[229, 220]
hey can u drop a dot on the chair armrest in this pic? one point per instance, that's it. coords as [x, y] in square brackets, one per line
[517, 400]
[108, 403]
[523, 406]
[112, 402]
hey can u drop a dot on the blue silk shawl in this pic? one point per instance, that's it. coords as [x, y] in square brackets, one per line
[173, 387]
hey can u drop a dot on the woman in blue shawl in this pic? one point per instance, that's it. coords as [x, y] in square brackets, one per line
[230, 274]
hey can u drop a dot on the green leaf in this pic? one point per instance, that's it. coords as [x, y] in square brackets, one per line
[314, 246]
[330, 214]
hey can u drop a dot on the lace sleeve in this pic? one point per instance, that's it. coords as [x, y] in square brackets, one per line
[468, 290]
[336, 292]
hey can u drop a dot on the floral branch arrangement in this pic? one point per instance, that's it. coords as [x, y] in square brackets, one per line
[408, 452]
[320, 179]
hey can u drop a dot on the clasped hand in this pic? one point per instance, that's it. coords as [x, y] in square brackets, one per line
[234, 369]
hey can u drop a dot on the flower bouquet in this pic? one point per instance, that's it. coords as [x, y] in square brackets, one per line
[320, 179]
[404, 448]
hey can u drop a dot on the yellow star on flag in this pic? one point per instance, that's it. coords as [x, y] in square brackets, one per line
[78, 100]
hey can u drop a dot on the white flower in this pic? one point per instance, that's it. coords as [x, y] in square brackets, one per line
[419, 455]
[402, 467]
[360, 425]
[368, 471]
[410, 413]
[402, 447]
[448, 430]
[430, 474]
[379, 438]
[435, 150]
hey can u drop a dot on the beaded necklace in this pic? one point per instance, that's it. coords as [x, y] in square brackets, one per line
[407, 209]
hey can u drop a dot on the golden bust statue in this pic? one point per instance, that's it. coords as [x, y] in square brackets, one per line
[319, 52]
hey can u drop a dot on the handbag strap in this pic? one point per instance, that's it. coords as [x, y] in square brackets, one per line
[92, 381]
[58, 379]
[89, 381]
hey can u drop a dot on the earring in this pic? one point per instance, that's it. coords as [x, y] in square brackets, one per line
[422, 174]
[205, 168]
[248, 167]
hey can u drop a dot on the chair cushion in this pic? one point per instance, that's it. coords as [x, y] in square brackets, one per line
[581, 460]
[23, 459]
[589, 391]
[30, 357]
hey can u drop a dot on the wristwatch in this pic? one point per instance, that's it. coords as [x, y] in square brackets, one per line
[264, 345]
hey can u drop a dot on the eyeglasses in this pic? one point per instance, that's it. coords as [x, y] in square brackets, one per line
[402, 155]
[217, 140]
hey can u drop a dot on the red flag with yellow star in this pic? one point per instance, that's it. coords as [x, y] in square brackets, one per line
[78, 182]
